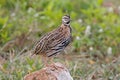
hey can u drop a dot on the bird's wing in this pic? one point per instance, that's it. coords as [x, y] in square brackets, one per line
[58, 47]
[39, 45]
[52, 43]
[57, 42]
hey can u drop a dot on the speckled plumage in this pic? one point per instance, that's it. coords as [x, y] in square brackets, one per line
[55, 41]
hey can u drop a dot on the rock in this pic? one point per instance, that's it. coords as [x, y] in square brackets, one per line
[55, 71]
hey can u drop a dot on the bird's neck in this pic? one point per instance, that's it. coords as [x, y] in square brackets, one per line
[65, 25]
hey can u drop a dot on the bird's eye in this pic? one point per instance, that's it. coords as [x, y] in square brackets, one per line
[68, 22]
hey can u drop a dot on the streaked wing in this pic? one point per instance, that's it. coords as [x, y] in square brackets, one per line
[41, 45]
[58, 47]
[53, 42]
[57, 43]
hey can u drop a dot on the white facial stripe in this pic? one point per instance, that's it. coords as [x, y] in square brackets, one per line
[64, 21]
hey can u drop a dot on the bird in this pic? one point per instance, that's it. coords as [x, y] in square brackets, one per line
[55, 41]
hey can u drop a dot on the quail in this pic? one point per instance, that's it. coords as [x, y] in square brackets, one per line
[54, 42]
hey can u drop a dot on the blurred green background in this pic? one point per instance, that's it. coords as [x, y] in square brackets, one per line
[95, 29]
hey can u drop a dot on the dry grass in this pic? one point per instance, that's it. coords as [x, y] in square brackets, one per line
[81, 67]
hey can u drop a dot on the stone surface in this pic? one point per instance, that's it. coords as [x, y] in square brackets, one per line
[55, 71]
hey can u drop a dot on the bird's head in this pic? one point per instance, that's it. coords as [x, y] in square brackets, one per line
[66, 20]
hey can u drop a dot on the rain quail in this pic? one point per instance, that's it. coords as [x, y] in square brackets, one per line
[55, 41]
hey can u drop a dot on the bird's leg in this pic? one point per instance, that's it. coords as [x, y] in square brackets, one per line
[44, 60]
[51, 60]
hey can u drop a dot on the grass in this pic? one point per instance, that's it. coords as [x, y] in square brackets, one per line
[93, 54]
[80, 67]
